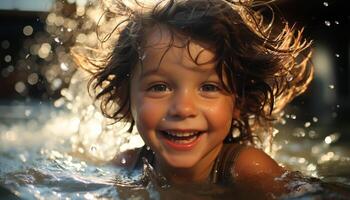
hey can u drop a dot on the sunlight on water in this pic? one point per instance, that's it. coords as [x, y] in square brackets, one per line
[95, 137]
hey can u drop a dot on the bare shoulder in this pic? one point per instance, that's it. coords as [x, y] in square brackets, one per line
[256, 171]
[253, 162]
[127, 159]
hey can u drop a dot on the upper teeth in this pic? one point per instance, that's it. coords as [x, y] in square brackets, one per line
[181, 134]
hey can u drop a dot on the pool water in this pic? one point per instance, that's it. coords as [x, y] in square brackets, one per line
[42, 156]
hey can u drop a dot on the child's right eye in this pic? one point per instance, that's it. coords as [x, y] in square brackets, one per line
[158, 88]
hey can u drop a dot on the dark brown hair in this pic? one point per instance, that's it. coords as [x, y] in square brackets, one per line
[266, 66]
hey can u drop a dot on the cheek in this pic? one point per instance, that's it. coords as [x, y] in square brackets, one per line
[220, 115]
[147, 115]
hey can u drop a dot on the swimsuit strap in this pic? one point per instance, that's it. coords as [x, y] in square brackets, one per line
[223, 167]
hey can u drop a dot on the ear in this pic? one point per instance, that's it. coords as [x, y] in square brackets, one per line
[236, 113]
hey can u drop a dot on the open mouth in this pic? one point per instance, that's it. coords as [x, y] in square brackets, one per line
[181, 137]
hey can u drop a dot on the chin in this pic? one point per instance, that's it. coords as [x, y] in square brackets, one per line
[179, 162]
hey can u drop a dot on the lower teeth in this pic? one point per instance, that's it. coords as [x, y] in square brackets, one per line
[184, 141]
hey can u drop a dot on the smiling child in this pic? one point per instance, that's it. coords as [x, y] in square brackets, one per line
[189, 74]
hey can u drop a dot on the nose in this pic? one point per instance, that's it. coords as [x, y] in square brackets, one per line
[183, 105]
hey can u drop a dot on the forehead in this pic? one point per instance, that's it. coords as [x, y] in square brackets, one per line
[163, 47]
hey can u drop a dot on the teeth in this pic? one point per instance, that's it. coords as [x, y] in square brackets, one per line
[185, 141]
[182, 134]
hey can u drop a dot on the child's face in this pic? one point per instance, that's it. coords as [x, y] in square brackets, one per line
[180, 108]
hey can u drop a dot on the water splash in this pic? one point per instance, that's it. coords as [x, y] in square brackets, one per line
[327, 23]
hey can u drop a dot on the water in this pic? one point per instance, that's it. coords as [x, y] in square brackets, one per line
[39, 159]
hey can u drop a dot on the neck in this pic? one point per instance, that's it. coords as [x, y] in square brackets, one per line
[198, 173]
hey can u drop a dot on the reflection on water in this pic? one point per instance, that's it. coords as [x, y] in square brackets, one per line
[37, 162]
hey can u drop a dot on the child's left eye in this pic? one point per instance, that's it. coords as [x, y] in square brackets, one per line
[210, 88]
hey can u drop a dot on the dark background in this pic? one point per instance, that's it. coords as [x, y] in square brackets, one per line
[325, 22]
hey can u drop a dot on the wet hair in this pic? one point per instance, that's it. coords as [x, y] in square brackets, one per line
[266, 66]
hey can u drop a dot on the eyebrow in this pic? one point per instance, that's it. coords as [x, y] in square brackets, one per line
[148, 72]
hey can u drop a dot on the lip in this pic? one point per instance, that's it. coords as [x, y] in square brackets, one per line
[180, 146]
[182, 130]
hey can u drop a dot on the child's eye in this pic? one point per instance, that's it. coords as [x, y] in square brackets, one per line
[158, 88]
[210, 87]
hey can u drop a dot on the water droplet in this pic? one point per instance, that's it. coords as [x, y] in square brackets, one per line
[307, 124]
[44, 50]
[338, 106]
[148, 148]
[315, 119]
[327, 23]
[331, 87]
[28, 30]
[283, 121]
[64, 67]
[33, 79]
[337, 55]
[27, 56]
[22, 157]
[336, 22]
[311, 167]
[293, 116]
[8, 58]
[20, 87]
[325, 4]
[57, 39]
[56, 83]
[123, 161]
[27, 113]
[331, 138]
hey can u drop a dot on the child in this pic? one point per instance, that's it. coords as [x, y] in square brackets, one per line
[190, 75]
